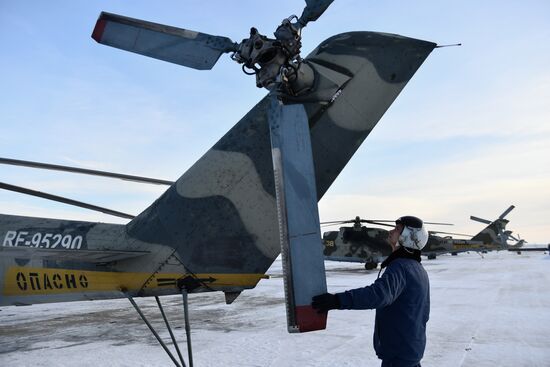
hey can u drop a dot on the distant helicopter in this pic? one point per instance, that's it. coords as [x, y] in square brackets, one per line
[359, 243]
[494, 237]
[369, 245]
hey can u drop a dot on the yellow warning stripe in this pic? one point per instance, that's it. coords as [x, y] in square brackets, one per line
[33, 281]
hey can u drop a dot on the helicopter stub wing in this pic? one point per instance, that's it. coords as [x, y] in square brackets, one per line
[176, 45]
[520, 248]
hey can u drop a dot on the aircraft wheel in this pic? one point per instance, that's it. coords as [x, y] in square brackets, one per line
[371, 265]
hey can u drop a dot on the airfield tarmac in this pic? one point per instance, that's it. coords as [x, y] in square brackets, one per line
[490, 311]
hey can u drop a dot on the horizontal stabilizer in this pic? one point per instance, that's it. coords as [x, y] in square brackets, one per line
[176, 45]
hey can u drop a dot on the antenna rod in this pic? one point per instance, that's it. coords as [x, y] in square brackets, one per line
[452, 45]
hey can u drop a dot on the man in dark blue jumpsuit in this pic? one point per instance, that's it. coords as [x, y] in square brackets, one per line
[401, 297]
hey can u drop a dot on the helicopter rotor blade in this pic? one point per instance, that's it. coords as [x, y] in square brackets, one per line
[393, 221]
[335, 222]
[477, 219]
[338, 222]
[313, 10]
[451, 233]
[329, 225]
[380, 222]
[176, 45]
[61, 199]
[376, 222]
[505, 213]
[56, 167]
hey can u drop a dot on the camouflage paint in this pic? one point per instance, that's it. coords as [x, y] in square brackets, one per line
[353, 244]
[225, 202]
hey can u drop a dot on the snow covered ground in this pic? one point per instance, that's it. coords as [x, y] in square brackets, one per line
[491, 311]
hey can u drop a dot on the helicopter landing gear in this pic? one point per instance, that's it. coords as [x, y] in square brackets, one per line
[370, 265]
[161, 342]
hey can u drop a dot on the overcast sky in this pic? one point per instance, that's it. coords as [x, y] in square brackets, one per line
[470, 134]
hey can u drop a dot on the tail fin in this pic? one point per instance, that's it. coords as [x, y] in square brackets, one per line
[494, 233]
[221, 215]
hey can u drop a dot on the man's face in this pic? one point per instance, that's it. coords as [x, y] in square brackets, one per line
[393, 236]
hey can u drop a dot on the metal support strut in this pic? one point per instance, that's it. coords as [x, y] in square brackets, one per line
[170, 331]
[187, 326]
[163, 345]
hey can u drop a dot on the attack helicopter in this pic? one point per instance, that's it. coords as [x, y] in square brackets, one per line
[369, 244]
[250, 197]
[494, 237]
[359, 243]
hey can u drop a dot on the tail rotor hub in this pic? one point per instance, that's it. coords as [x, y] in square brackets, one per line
[274, 61]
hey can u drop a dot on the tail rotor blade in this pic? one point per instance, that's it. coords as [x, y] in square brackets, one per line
[176, 45]
[506, 212]
[509, 233]
[313, 10]
[480, 220]
[297, 211]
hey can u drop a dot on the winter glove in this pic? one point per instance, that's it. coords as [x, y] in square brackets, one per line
[325, 302]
